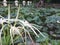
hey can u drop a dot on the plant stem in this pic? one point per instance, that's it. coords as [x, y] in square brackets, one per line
[17, 15]
[8, 14]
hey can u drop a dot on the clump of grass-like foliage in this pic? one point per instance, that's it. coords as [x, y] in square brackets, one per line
[8, 31]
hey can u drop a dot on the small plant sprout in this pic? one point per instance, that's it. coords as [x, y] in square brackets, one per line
[16, 2]
[4, 2]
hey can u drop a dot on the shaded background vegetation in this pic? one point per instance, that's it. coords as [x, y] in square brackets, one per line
[51, 1]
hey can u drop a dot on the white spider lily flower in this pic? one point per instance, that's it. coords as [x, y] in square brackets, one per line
[24, 3]
[14, 30]
[16, 2]
[26, 23]
[4, 2]
[58, 21]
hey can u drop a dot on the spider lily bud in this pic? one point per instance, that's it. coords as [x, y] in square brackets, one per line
[24, 3]
[5, 3]
[28, 3]
[16, 3]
